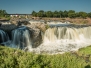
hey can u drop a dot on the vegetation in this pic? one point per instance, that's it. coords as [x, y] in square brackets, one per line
[3, 14]
[14, 58]
[61, 14]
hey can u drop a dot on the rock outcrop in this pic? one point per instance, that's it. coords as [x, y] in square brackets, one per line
[35, 35]
[35, 29]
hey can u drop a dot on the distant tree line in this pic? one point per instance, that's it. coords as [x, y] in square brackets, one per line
[61, 14]
[3, 14]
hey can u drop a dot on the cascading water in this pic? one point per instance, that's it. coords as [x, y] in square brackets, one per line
[3, 36]
[58, 38]
[64, 39]
[21, 38]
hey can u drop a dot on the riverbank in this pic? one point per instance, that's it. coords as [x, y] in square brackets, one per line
[72, 20]
[4, 19]
[15, 58]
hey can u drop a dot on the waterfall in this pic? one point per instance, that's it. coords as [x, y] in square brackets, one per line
[3, 36]
[61, 33]
[64, 39]
[58, 38]
[21, 38]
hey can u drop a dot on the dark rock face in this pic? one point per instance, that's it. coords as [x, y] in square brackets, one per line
[35, 32]
[3, 36]
[0, 24]
[8, 28]
[35, 35]
[19, 23]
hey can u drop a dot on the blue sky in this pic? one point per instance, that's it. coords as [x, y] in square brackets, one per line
[27, 6]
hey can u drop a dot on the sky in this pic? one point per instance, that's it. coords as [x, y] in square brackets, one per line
[27, 6]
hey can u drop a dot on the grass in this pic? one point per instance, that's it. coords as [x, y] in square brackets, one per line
[15, 58]
[85, 50]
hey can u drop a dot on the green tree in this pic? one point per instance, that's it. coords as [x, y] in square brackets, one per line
[65, 13]
[89, 14]
[56, 14]
[49, 14]
[83, 14]
[41, 13]
[71, 11]
[61, 13]
[3, 14]
[34, 13]
[77, 14]
[71, 14]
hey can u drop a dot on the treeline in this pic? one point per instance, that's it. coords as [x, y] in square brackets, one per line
[61, 14]
[2, 14]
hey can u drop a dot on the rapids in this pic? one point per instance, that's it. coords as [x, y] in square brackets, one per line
[58, 38]
[3, 36]
[21, 38]
[65, 39]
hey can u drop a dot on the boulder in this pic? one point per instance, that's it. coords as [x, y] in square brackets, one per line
[35, 35]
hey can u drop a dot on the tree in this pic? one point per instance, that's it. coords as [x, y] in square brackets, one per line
[89, 14]
[40, 13]
[71, 14]
[83, 14]
[49, 14]
[2, 13]
[65, 13]
[77, 14]
[34, 13]
[56, 14]
[71, 11]
[61, 13]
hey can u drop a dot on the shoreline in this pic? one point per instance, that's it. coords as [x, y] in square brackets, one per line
[72, 20]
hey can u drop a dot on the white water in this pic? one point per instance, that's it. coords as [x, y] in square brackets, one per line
[57, 39]
[21, 38]
[3, 36]
[64, 39]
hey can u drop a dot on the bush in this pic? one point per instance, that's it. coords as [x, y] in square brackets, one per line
[15, 58]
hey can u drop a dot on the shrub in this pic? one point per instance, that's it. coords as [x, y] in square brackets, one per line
[15, 58]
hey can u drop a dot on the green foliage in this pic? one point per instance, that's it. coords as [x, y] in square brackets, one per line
[14, 58]
[89, 14]
[85, 50]
[34, 13]
[47, 26]
[40, 13]
[56, 14]
[61, 14]
[83, 14]
[2, 14]
[72, 15]
[49, 14]
[65, 13]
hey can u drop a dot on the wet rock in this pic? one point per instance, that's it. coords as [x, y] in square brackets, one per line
[19, 23]
[35, 35]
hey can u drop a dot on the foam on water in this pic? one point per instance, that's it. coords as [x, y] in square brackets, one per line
[58, 38]
[3, 36]
[21, 38]
[64, 39]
